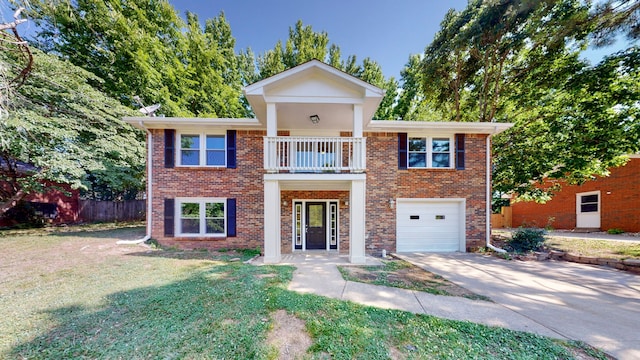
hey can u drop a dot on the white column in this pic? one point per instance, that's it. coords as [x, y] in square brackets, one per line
[271, 222]
[272, 120]
[357, 120]
[357, 222]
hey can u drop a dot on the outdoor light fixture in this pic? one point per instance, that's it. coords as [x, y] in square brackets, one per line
[314, 119]
[392, 203]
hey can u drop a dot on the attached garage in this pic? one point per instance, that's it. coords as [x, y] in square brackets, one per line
[430, 225]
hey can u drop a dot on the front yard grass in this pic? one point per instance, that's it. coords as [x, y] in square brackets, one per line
[75, 294]
[595, 248]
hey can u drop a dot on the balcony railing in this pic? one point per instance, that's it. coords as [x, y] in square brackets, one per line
[314, 154]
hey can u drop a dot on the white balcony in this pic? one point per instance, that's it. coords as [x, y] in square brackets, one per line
[314, 154]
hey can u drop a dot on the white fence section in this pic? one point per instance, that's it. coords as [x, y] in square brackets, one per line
[314, 154]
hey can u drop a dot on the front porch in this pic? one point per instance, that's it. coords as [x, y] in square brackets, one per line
[314, 212]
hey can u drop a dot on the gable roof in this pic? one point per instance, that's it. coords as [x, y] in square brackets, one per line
[313, 82]
[311, 65]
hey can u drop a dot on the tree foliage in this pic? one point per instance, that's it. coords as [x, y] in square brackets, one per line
[61, 129]
[304, 44]
[518, 61]
[145, 48]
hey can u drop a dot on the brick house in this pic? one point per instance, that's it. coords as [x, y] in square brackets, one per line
[314, 171]
[604, 203]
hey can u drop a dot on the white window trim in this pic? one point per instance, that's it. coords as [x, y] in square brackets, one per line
[579, 202]
[429, 161]
[202, 149]
[201, 201]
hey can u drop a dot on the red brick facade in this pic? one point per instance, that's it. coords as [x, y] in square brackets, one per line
[619, 199]
[384, 181]
[243, 183]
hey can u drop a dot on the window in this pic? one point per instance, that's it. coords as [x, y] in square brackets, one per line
[202, 150]
[201, 217]
[429, 152]
[589, 203]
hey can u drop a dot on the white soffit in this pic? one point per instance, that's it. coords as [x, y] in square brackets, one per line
[438, 126]
[143, 122]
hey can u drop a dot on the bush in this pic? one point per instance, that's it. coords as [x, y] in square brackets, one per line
[615, 231]
[526, 239]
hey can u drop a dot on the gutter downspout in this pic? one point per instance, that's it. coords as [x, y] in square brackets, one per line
[488, 199]
[149, 190]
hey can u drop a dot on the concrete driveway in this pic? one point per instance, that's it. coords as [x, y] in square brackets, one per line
[599, 306]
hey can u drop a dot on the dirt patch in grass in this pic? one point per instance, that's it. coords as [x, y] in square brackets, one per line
[402, 274]
[289, 336]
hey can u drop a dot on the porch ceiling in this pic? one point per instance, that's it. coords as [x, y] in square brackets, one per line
[337, 117]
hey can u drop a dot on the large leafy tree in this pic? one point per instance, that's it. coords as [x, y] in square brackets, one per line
[145, 48]
[305, 44]
[60, 129]
[581, 127]
[518, 61]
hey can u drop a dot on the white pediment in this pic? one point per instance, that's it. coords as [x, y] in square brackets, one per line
[314, 85]
[311, 85]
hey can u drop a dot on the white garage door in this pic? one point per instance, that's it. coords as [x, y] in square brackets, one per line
[429, 225]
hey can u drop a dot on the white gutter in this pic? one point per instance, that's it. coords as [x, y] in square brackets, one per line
[149, 190]
[488, 199]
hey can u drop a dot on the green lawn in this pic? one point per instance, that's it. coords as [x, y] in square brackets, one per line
[596, 248]
[78, 295]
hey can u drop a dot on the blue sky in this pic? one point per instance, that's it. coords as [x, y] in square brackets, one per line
[387, 31]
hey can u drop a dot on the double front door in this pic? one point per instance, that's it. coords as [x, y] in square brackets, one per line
[316, 225]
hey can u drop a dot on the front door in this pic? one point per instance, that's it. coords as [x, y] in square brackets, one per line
[316, 226]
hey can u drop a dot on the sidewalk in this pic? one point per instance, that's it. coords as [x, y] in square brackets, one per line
[317, 273]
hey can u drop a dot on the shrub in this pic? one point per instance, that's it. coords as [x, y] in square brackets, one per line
[615, 231]
[526, 239]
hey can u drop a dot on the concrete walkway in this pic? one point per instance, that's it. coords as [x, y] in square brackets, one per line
[556, 299]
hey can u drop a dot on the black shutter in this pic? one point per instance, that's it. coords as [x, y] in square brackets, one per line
[231, 149]
[169, 148]
[231, 217]
[169, 223]
[402, 151]
[460, 151]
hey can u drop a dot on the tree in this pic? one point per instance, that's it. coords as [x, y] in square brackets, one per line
[304, 44]
[580, 128]
[519, 62]
[612, 18]
[412, 103]
[484, 49]
[144, 48]
[372, 73]
[13, 76]
[69, 132]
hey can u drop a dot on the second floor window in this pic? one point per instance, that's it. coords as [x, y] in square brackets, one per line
[202, 150]
[429, 152]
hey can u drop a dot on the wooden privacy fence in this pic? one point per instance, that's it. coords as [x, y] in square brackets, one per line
[129, 210]
[502, 220]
